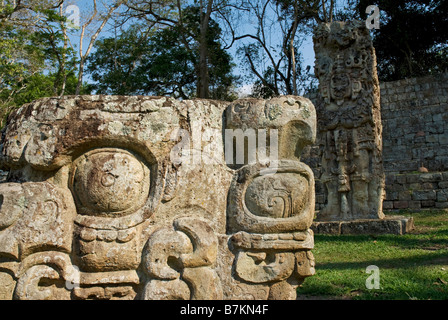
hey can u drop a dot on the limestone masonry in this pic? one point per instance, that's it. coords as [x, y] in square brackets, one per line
[101, 202]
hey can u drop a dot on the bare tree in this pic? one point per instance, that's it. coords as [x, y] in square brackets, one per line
[62, 66]
[96, 16]
[275, 61]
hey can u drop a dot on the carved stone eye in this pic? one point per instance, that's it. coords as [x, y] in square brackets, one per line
[240, 108]
[110, 182]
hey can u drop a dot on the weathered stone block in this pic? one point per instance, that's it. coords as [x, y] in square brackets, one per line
[372, 227]
[391, 195]
[443, 185]
[424, 195]
[415, 186]
[414, 204]
[401, 179]
[401, 204]
[431, 177]
[139, 198]
[388, 205]
[405, 195]
[443, 139]
[327, 227]
[412, 178]
[442, 195]
[437, 117]
[441, 205]
[390, 179]
[432, 138]
[389, 225]
[429, 186]
[428, 203]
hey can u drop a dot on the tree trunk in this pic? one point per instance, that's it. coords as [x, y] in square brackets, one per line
[83, 57]
[203, 75]
[294, 68]
[80, 75]
[64, 55]
[293, 54]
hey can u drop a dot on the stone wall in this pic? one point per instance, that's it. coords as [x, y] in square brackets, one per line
[415, 124]
[414, 116]
[416, 191]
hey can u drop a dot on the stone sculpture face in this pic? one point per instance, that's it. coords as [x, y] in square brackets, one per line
[96, 207]
[349, 122]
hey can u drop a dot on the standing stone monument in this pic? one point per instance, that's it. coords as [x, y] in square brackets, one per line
[131, 198]
[349, 132]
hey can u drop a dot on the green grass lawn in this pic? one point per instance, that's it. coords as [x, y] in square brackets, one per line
[411, 266]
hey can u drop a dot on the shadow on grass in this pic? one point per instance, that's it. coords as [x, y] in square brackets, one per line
[407, 241]
[435, 243]
[413, 265]
[435, 258]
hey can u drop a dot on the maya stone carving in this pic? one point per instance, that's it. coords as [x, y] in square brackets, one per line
[101, 204]
[349, 122]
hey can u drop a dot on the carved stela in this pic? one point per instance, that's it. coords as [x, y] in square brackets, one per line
[349, 122]
[133, 198]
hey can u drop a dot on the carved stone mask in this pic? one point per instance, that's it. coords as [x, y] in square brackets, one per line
[95, 207]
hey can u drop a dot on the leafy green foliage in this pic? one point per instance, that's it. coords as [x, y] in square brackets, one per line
[19, 60]
[163, 53]
[19, 56]
[36, 60]
[41, 85]
[161, 62]
[117, 62]
[413, 37]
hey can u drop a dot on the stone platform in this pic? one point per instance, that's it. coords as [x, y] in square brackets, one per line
[398, 225]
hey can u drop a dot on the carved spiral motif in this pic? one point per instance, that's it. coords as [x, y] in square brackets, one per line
[282, 195]
[271, 203]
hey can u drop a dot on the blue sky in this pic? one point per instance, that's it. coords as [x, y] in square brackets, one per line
[86, 6]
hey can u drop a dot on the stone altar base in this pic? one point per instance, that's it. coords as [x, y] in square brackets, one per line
[138, 198]
[398, 225]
